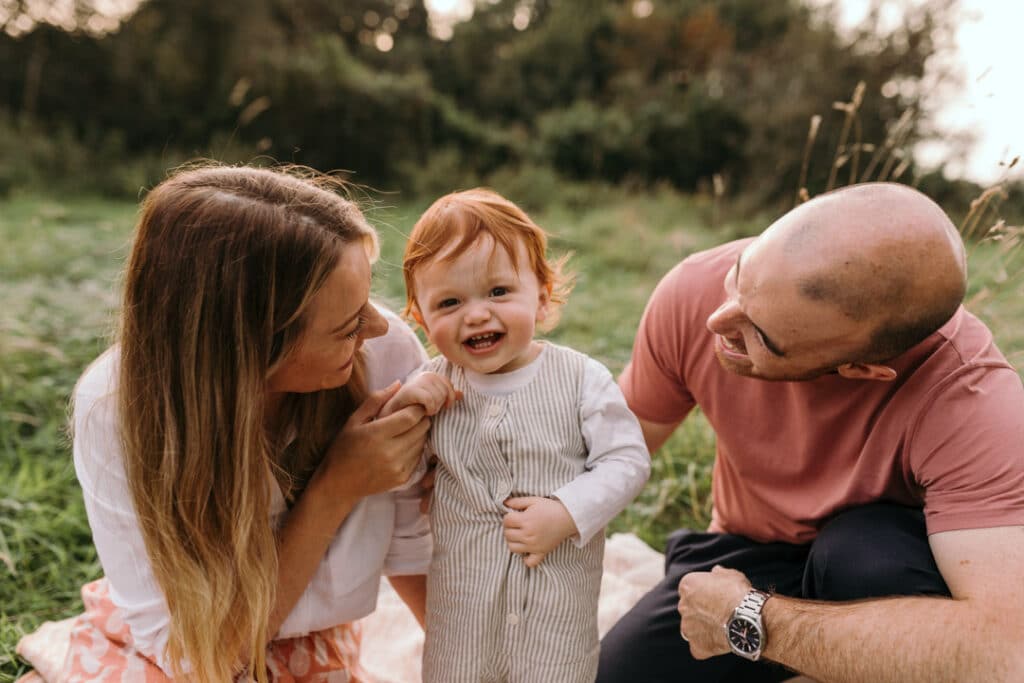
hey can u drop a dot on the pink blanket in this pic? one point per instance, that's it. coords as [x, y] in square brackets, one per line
[392, 641]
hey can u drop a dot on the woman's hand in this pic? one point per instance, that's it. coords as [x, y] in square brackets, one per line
[372, 455]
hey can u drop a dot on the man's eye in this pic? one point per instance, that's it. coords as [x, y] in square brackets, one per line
[764, 342]
[499, 291]
[448, 303]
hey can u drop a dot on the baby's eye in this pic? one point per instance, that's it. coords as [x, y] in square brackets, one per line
[448, 303]
[499, 291]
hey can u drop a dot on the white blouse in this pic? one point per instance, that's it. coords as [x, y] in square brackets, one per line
[384, 533]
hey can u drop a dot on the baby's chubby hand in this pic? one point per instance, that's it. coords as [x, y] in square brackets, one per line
[536, 526]
[427, 389]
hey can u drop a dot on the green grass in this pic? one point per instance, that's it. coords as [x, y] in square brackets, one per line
[59, 266]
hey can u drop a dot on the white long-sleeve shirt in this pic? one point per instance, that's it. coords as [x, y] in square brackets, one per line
[385, 534]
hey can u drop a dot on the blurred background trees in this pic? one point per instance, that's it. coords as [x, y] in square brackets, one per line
[699, 95]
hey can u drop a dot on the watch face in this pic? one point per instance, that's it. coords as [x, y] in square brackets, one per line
[744, 635]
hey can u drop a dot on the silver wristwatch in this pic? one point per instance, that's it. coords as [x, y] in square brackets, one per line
[745, 630]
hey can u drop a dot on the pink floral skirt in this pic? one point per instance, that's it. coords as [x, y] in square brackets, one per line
[101, 650]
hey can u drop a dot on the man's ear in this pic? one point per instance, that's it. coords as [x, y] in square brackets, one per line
[872, 371]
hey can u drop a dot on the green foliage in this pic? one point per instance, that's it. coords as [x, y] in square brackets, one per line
[696, 89]
[60, 261]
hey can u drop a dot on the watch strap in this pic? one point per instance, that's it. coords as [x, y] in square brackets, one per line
[753, 603]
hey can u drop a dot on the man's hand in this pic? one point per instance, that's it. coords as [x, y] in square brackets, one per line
[536, 526]
[706, 602]
[427, 389]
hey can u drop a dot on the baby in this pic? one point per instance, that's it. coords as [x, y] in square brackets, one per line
[538, 456]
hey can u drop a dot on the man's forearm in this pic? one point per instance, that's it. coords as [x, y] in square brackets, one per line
[902, 639]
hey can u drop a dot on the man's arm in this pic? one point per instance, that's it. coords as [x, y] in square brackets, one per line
[976, 635]
[656, 434]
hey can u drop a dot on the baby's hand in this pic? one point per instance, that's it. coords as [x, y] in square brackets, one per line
[536, 526]
[427, 389]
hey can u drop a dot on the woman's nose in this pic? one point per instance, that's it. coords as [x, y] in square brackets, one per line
[376, 324]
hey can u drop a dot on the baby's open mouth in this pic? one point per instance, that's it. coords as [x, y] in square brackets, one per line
[479, 342]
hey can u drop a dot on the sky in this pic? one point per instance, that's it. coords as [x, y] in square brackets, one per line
[990, 105]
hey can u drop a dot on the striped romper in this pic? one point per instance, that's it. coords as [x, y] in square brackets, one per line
[490, 618]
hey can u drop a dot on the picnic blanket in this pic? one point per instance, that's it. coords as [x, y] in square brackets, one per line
[392, 641]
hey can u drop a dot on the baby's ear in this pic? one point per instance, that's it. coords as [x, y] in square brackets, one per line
[414, 311]
[543, 301]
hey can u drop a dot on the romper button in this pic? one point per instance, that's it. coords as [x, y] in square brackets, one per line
[512, 619]
[495, 410]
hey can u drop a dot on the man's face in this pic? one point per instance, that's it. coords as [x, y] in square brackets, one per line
[765, 328]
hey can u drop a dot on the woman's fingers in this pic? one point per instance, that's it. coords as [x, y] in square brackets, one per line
[400, 421]
[369, 408]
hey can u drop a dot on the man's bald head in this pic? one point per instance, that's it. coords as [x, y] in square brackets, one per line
[884, 254]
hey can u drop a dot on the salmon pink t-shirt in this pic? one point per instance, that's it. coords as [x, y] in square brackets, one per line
[947, 435]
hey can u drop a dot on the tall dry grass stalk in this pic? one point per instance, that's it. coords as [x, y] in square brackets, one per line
[997, 247]
[812, 135]
[718, 191]
[982, 225]
[889, 161]
[850, 110]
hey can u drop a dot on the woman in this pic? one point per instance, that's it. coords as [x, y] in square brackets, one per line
[240, 392]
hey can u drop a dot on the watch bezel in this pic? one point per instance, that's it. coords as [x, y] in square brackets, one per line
[755, 624]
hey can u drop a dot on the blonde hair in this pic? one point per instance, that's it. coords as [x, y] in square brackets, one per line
[224, 264]
[462, 218]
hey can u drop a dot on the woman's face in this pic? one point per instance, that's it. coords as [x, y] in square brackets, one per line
[339, 318]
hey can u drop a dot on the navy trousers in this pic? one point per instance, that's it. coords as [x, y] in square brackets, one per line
[872, 551]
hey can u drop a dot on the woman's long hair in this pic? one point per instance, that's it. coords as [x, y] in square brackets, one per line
[224, 265]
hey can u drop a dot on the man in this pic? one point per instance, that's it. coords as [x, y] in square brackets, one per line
[870, 444]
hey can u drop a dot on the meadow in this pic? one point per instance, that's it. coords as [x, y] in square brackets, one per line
[59, 267]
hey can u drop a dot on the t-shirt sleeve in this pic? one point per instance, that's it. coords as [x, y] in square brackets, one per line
[617, 464]
[653, 381]
[967, 452]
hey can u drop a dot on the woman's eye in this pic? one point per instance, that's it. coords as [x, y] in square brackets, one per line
[358, 328]
[448, 303]
[499, 291]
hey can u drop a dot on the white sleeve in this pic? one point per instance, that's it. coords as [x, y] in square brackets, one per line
[115, 528]
[396, 355]
[411, 542]
[400, 355]
[618, 463]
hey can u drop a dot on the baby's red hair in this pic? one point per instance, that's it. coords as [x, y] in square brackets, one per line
[462, 218]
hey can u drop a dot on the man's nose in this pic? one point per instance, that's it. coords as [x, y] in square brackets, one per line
[724, 317]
